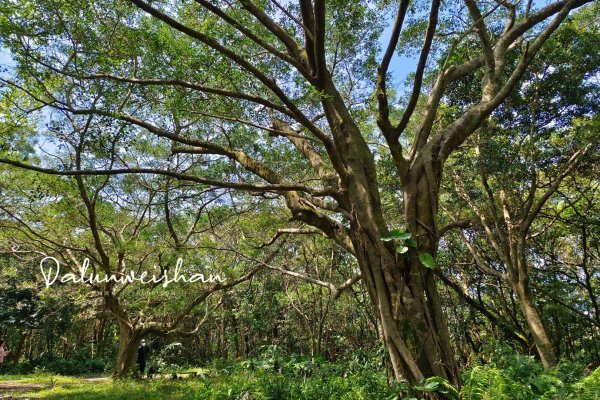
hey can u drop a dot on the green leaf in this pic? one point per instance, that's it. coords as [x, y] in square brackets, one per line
[396, 234]
[427, 260]
[401, 249]
[410, 242]
[431, 386]
[405, 235]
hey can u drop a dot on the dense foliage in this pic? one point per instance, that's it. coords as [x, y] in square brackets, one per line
[512, 377]
[375, 236]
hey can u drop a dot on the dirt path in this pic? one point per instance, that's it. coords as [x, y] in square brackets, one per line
[11, 389]
[14, 389]
[96, 380]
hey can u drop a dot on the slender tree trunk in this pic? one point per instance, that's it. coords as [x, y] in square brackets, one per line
[320, 332]
[247, 343]
[534, 321]
[65, 349]
[50, 346]
[20, 345]
[99, 333]
[222, 334]
[588, 285]
[519, 281]
[235, 334]
[31, 345]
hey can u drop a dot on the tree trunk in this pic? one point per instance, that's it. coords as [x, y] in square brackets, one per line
[247, 344]
[20, 346]
[16, 354]
[128, 343]
[31, 344]
[519, 280]
[99, 334]
[408, 319]
[223, 334]
[534, 321]
[403, 292]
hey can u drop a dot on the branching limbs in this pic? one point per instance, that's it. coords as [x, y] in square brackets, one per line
[293, 60]
[534, 210]
[90, 203]
[418, 81]
[493, 92]
[383, 118]
[493, 58]
[486, 46]
[247, 66]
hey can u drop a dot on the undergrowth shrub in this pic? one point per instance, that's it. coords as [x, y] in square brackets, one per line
[517, 377]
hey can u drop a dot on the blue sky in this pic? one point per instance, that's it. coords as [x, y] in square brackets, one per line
[4, 57]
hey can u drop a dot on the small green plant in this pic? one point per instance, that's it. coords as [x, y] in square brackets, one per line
[403, 240]
[435, 385]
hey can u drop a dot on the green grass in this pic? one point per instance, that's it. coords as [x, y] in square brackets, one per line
[521, 379]
[45, 378]
[236, 383]
[237, 386]
[127, 389]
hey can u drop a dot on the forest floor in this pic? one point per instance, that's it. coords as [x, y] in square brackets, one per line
[89, 388]
[526, 381]
[47, 386]
[25, 387]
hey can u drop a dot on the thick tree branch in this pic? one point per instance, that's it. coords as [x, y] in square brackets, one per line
[383, 119]
[418, 80]
[454, 225]
[320, 60]
[308, 20]
[484, 38]
[248, 33]
[290, 43]
[326, 174]
[244, 64]
[156, 171]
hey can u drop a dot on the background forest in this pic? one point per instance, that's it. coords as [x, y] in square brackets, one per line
[402, 198]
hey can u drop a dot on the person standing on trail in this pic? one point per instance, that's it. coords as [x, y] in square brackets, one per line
[142, 353]
[3, 352]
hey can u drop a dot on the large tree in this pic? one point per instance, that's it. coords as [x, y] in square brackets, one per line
[282, 91]
[517, 162]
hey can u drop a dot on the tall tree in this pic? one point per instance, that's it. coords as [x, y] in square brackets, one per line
[123, 225]
[535, 140]
[263, 83]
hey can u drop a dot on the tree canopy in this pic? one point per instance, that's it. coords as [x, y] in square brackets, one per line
[232, 133]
